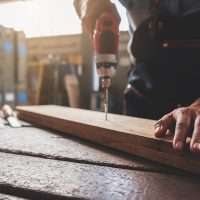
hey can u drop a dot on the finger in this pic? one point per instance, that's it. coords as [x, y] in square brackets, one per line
[183, 124]
[195, 142]
[162, 125]
[170, 131]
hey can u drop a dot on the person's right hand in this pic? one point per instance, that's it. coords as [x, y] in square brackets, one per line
[90, 10]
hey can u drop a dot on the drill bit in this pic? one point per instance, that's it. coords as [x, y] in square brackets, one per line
[106, 104]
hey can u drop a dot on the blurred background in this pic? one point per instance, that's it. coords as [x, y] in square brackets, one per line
[46, 58]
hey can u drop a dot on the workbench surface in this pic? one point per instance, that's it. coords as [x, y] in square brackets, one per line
[38, 163]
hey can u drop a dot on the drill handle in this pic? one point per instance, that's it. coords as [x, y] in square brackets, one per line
[106, 34]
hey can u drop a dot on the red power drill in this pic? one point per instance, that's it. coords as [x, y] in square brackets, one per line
[105, 40]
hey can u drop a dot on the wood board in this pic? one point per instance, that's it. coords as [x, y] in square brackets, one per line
[128, 134]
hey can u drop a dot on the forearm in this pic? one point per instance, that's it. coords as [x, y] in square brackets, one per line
[83, 6]
[90, 10]
[79, 4]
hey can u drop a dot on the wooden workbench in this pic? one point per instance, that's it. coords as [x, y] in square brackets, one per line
[37, 163]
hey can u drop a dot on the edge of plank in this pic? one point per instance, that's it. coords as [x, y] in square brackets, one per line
[159, 150]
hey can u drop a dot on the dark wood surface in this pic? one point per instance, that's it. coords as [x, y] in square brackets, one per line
[39, 142]
[43, 164]
[128, 134]
[85, 181]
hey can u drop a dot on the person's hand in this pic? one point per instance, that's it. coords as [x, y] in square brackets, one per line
[90, 10]
[181, 122]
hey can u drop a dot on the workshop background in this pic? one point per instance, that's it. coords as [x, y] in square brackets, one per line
[45, 58]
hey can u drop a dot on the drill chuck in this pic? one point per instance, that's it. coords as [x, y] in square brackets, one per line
[105, 82]
[106, 65]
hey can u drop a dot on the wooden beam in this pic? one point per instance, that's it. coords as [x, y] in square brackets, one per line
[128, 134]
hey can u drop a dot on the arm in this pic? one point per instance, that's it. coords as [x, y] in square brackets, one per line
[182, 121]
[90, 10]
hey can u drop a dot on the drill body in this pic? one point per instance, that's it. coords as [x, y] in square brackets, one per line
[105, 41]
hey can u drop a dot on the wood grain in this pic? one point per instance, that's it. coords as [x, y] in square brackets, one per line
[128, 134]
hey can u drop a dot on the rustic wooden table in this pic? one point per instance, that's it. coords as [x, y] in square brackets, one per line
[36, 163]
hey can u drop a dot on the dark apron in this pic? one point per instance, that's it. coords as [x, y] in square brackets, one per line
[167, 70]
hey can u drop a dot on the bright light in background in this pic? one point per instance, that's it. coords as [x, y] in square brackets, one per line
[124, 26]
[41, 17]
[46, 17]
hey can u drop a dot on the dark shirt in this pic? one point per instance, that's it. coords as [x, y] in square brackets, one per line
[166, 7]
[167, 64]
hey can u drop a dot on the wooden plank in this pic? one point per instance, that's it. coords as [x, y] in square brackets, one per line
[51, 178]
[128, 134]
[55, 145]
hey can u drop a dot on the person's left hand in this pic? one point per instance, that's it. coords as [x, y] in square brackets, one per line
[181, 121]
